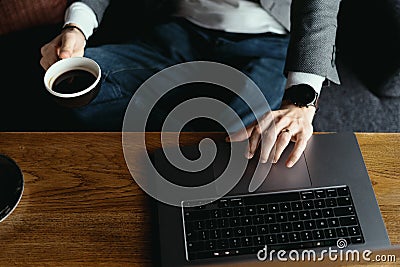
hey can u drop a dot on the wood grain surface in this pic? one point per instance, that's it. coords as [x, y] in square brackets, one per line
[81, 207]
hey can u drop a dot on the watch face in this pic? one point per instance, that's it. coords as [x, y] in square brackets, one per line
[302, 95]
[306, 95]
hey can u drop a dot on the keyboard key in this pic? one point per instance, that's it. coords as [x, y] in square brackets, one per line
[211, 224]
[262, 209]
[262, 230]
[305, 215]
[226, 233]
[286, 227]
[238, 211]
[307, 195]
[319, 203]
[274, 228]
[270, 239]
[320, 194]
[341, 232]
[222, 243]
[270, 218]
[210, 245]
[258, 219]
[215, 234]
[296, 205]
[239, 232]
[343, 211]
[204, 235]
[216, 214]
[316, 214]
[343, 201]
[298, 226]
[353, 230]
[235, 242]
[236, 202]
[246, 220]
[293, 216]
[282, 238]
[223, 223]
[333, 222]
[343, 191]
[309, 225]
[318, 234]
[273, 208]
[321, 223]
[235, 222]
[246, 241]
[285, 207]
[194, 215]
[330, 233]
[357, 240]
[294, 237]
[251, 230]
[259, 240]
[191, 236]
[223, 203]
[227, 212]
[331, 202]
[327, 213]
[347, 221]
[199, 225]
[331, 192]
[306, 236]
[308, 204]
[195, 246]
[281, 217]
[250, 210]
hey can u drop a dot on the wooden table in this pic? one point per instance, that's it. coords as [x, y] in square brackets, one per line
[81, 207]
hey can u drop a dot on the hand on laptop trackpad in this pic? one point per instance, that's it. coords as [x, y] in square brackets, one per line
[272, 178]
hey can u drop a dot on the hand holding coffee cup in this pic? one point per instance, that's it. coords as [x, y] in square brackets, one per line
[73, 82]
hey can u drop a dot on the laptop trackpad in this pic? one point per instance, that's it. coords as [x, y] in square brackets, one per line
[272, 178]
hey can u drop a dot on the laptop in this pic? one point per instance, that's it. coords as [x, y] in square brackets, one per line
[325, 201]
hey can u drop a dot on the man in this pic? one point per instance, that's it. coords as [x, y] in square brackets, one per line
[250, 35]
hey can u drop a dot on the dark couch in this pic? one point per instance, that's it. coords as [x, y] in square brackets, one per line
[368, 60]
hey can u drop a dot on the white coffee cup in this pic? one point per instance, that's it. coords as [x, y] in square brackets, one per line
[73, 69]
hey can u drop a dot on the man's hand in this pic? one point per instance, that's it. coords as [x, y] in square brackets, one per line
[292, 123]
[70, 43]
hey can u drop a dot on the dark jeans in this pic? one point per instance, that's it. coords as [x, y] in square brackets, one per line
[126, 66]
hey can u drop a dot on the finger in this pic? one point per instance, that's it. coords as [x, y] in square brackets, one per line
[284, 137]
[67, 47]
[254, 141]
[281, 143]
[44, 63]
[267, 143]
[267, 121]
[298, 150]
[284, 123]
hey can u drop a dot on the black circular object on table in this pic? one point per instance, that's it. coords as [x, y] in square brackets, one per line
[11, 186]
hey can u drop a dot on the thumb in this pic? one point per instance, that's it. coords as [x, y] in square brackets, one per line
[67, 48]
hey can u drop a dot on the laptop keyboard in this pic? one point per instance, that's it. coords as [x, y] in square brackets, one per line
[240, 225]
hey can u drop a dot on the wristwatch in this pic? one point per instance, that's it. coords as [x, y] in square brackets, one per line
[301, 95]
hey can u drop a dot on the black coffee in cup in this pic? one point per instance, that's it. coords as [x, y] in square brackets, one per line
[73, 81]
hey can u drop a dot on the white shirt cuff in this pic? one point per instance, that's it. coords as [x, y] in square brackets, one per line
[315, 81]
[83, 16]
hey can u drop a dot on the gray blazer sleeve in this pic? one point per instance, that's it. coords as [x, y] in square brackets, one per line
[313, 25]
[98, 6]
